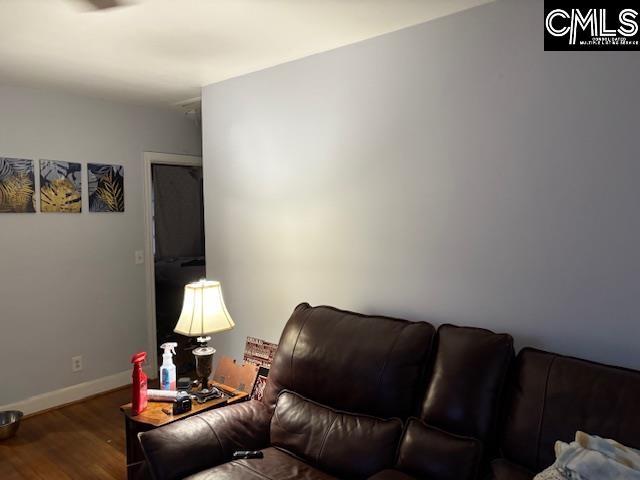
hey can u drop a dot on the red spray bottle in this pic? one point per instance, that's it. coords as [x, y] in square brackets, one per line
[139, 387]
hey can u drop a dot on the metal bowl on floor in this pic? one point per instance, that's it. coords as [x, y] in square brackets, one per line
[9, 423]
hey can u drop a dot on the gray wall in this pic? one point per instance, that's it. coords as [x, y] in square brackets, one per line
[450, 172]
[68, 282]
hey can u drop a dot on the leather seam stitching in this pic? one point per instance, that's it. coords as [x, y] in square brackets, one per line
[426, 375]
[253, 470]
[295, 345]
[499, 400]
[215, 434]
[338, 411]
[544, 406]
[386, 360]
[324, 440]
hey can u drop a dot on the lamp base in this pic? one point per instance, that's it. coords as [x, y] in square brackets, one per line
[205, 395]
[204, 357]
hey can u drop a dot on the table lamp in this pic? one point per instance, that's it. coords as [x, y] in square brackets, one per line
[203, 313]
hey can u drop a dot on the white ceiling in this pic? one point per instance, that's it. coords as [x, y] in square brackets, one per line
[163, 51]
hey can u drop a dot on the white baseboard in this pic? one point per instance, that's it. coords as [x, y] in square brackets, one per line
[56, 398]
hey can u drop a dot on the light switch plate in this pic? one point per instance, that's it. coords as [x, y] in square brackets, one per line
[139, 257]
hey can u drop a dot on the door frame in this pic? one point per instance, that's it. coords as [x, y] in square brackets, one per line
[149, 159]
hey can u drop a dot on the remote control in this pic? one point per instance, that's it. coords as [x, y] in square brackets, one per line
[241, 454]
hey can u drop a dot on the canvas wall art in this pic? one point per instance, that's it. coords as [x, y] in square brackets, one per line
[17, 185]
[106, 187]
[60, 187]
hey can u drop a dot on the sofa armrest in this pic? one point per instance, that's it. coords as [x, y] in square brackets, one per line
[205, 440]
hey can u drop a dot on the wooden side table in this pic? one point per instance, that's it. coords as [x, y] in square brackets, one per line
[154, 417]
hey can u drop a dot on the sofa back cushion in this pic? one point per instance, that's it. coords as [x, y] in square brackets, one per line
[347, 445]
[357, 363]
[553, 396]
[428, 452]
[468, 381]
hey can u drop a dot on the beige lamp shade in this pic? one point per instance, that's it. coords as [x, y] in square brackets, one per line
[203, 310]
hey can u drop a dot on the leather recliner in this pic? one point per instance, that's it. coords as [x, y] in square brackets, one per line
[455, 432]
[352, 396]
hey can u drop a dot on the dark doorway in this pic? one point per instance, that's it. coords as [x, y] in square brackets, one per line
[179, 250]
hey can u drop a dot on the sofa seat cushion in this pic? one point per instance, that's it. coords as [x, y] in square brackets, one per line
[428, 452]
[345, 444]
[276, 465]
[391, 475]
[505, 470]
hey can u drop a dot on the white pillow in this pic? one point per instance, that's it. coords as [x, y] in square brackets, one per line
[593, 458]
[612, 449]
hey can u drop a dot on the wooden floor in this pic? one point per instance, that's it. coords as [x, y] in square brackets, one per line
[80, 441]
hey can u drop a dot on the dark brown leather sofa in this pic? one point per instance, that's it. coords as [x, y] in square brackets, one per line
[352, 396]
[551, 397]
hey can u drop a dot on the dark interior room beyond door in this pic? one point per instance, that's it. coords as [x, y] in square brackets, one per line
[179, 249]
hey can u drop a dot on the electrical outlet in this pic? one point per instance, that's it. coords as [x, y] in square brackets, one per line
[76, 363]
[139, 257]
